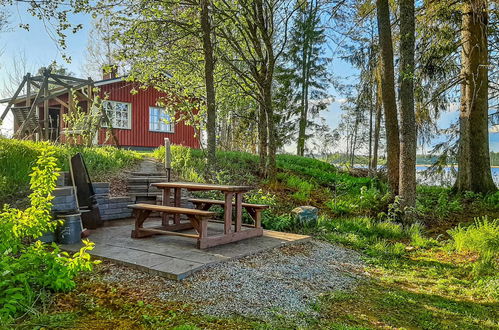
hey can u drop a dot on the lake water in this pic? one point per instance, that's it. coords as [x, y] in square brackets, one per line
[446, 178]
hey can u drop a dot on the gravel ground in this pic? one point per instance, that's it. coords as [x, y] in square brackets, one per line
[284, 281]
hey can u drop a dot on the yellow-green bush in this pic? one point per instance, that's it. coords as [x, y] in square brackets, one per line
[28, 267]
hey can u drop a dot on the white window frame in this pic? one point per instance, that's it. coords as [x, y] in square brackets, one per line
[112, 118]
[161, 112]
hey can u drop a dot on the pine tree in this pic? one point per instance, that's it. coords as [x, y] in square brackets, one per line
[307, 65]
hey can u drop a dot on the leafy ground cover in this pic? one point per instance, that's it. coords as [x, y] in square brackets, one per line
[17, 159]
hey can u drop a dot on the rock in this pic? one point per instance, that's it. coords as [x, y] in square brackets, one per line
[306, 216]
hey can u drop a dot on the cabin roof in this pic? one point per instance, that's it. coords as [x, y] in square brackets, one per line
[98, 83]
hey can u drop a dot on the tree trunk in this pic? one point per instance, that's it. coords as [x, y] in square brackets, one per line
[474, 158]
[263, 140]
[408, 141]
[388, 93]
[306, 62]
[302, 122]
[272, 146]
[371, 114]
[377, 124]
[209, 68]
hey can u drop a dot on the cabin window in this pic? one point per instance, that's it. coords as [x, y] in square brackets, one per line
[159, 120]
[119, 113]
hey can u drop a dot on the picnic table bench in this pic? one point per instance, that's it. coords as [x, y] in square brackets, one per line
[198, 220]
[199, 217]
[254, 210]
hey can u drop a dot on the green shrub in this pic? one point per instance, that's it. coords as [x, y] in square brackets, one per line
[482, 237]
[29, 267]
[439, 202]
[491, 201]
[341, 207]
[372, 198]
[418, 240]
[303, 187]
[283, 222]
[376, 238]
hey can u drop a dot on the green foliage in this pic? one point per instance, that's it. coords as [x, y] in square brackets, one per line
[482, 237]
[437, 202]
[377, 238]
[491, 201]
[18, 157]
[341, 207]
[372, 236]
[242, 167]
[283, 222]
[303, 187]
[82, 126]
[369, 200]
[29, 267]
[372, 198]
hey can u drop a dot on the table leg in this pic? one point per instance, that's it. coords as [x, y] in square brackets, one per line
[239, 212]
[166, 202]
[177, 199]
[228, 213]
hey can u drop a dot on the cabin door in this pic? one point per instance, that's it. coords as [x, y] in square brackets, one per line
[54, 124]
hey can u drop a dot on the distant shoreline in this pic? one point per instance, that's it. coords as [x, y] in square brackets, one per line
[428, 165]
[422, 165]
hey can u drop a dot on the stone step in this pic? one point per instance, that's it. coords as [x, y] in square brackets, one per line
[147, 174]
[63, 191]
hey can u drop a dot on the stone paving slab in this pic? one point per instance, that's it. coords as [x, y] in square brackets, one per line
[173, 256]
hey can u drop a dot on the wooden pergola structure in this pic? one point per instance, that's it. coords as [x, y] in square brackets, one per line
[31, 110]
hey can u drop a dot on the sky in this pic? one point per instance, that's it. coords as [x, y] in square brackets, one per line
[39, 48]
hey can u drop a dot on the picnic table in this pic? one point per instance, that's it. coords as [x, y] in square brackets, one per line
[234, 229]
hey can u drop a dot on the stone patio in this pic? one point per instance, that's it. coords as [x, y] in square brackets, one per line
[173, 256]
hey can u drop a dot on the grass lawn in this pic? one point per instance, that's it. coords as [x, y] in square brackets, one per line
[426, 276]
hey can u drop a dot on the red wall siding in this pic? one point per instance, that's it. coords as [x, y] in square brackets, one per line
[139, 135]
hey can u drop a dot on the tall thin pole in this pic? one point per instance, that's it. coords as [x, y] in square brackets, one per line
[168, 158]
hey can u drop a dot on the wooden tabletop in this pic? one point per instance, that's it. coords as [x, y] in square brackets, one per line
[202, 186]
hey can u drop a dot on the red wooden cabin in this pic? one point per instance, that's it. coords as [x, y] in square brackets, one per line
[137, 120]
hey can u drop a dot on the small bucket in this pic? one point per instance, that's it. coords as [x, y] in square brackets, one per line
[70, 231]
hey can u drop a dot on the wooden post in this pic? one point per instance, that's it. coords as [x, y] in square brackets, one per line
[168, 158]
[177, 193]
[11, 102]
[28, 90]
[166, 202]
[46, 109]
[228, 213]
[28, 99]
[34, 107]
[70, 100]
[89, 88]
[239, 212]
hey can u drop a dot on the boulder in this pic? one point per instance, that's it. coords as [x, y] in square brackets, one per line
[306, 216]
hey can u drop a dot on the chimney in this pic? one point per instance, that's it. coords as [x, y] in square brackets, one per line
[109, 72]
